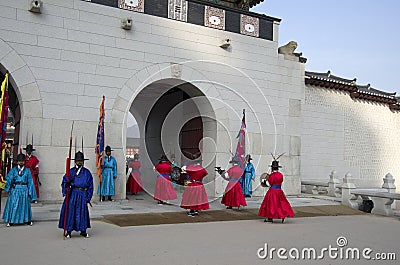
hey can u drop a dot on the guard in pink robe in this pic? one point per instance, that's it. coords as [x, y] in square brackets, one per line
[233, 195]
[134, 183]
[275, 205]
[195, 197]
[163, 190]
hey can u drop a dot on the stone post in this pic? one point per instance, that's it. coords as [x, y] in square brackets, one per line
[332, 185]
[388, 183]
[347, 197]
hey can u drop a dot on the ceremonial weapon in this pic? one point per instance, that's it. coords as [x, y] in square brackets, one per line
[67, 174]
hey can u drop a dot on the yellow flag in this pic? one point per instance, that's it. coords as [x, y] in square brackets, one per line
[4, 85]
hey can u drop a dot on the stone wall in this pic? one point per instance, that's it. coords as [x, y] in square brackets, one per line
[65, 59]
[343, 134]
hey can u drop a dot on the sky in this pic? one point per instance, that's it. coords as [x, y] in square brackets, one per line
[351, 38]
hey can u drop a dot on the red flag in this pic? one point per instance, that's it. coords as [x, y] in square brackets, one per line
[240, 147]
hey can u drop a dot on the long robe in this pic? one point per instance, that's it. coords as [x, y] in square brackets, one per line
[163, 190]
[108, 176]
[246, 180]
[195, 197]
[233, 196]
[31, 162]
[134, 183]
[275, 205]
[80, 194]
[21, 191]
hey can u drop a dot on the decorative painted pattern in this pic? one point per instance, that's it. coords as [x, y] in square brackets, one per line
[177, 9]
[214, 17]
[134, 5]
[249, 25]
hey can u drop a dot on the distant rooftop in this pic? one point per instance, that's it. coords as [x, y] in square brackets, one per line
[240, 4]
[366, 92]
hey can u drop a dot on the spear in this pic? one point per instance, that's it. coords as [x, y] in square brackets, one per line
[67, 174]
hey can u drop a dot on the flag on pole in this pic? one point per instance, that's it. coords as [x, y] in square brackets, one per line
[240, 147]
[3, 126]
[99, 150]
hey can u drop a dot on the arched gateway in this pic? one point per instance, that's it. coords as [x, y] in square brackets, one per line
[174, 117]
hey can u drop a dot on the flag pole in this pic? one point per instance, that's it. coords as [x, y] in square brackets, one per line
[3, 120]
[67, 174]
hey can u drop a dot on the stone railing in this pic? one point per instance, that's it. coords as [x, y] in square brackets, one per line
[382, 199]
[317, 187]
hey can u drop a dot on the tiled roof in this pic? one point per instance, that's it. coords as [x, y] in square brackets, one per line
[254, 2]
[365, 92]
[328, 80]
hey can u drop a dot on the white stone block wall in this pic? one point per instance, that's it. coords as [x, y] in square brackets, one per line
[348, 135]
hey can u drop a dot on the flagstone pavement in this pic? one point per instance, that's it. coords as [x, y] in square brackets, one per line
[225, 242]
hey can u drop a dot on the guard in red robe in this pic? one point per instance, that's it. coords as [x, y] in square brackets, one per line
[163, 190]
[134, 183]
[195, 197]
[275, 205]
[233, 195]
[32, 163]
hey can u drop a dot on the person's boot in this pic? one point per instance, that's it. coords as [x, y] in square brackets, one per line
[269, 220]
[84, 234]
[103, 198]
[109, 198]
[68, 234]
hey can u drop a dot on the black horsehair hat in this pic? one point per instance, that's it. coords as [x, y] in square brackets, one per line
[163, 158]
[79, 156]
[108, 148]
[275, 164]
[29, 147]
[234, 159]
[21, 157]
[196, 158]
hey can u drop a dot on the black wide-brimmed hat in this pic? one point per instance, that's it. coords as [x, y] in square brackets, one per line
[108, 149]
[248, 157]
[79, 156]
[29, 147]
[21, 157]
[275, 164]
[234, 159]
[196, 158]
[163, 158]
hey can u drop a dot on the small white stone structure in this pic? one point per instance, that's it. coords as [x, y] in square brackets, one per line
[382, 198]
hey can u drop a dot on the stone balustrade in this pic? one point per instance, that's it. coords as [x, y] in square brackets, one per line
[318, 187]
[382, 198]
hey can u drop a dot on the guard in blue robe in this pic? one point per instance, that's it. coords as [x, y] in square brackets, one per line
[108, 176]
[80, 188]
[248, 175]
[21, 191]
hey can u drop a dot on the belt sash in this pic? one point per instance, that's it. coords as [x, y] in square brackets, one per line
[163, 175]
[277, 187]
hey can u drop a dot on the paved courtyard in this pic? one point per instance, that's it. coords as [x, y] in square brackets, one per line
[233, 242]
